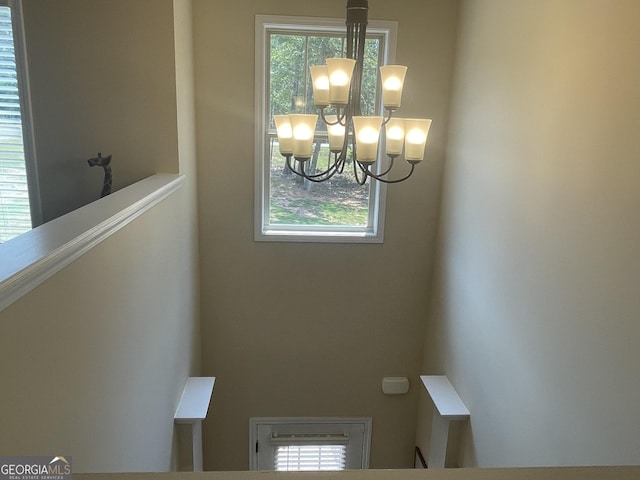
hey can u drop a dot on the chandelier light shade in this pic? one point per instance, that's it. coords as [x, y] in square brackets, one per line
[339, 71]
[353, 138]
[320, 82]
[392, 77]
[335, 132]
[395, 137]
[415, 138]
[285, 135]
[367, 133]
[303, 128]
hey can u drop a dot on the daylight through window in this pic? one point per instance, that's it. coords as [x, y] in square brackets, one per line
[291, 205]
[309, 444]
[15, 205]
[310, 457]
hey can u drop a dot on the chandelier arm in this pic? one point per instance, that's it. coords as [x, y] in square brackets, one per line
[331, 170]
[365, 170]
[288, 157]
[328, 173]
[341, 117]
[341, 160]
[387, 116]
[391, 159]
[359, 166]
[398, 180]
[320, 177]
[315, 178]
[311, 178]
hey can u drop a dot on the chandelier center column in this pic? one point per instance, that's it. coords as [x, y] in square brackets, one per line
[356, 22]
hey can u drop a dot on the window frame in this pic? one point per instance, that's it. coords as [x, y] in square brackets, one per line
[374, 232]
[357, 429]
[26, 113]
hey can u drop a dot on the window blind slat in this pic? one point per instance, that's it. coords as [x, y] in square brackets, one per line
[310, 457]
[15, 212]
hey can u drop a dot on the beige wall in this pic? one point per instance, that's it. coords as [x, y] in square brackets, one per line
[93, 361]
[102, 77]
[535, 316]
[274, 335]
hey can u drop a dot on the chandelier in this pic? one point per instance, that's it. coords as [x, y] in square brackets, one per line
[337, 86]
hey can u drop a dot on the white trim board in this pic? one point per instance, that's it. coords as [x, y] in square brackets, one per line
[445, 398]
[195, 399]
[29, 259]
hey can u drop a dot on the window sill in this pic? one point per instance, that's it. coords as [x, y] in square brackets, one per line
[28, 260]
[273, 235]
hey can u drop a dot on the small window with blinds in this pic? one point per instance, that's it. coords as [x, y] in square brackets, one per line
[298, 458]
[15, 200]
[309, 444]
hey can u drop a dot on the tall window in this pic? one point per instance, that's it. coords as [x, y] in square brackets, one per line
[16, 205]
[287, 206]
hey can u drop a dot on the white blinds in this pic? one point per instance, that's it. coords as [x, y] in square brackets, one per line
[15, 213]
[310, 457]
[309, 443]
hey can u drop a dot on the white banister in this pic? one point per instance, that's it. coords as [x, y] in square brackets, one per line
[448, 407]
[192, 409]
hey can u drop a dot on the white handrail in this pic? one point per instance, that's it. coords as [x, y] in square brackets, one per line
[28, 260]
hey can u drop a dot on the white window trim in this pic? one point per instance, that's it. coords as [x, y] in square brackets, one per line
[263, 24]
[300, 422]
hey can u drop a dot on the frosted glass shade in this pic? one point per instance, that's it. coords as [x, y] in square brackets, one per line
[320, 83]
[285, 135]
[303, 128]
[392, 78]
[367, 132]
[339, 71]
[394, 139]
[415, 138]
[335, 133]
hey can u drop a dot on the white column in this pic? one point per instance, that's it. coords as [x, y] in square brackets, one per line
[196, 441]
[192, 409]
[439, 439]
[447, 407]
